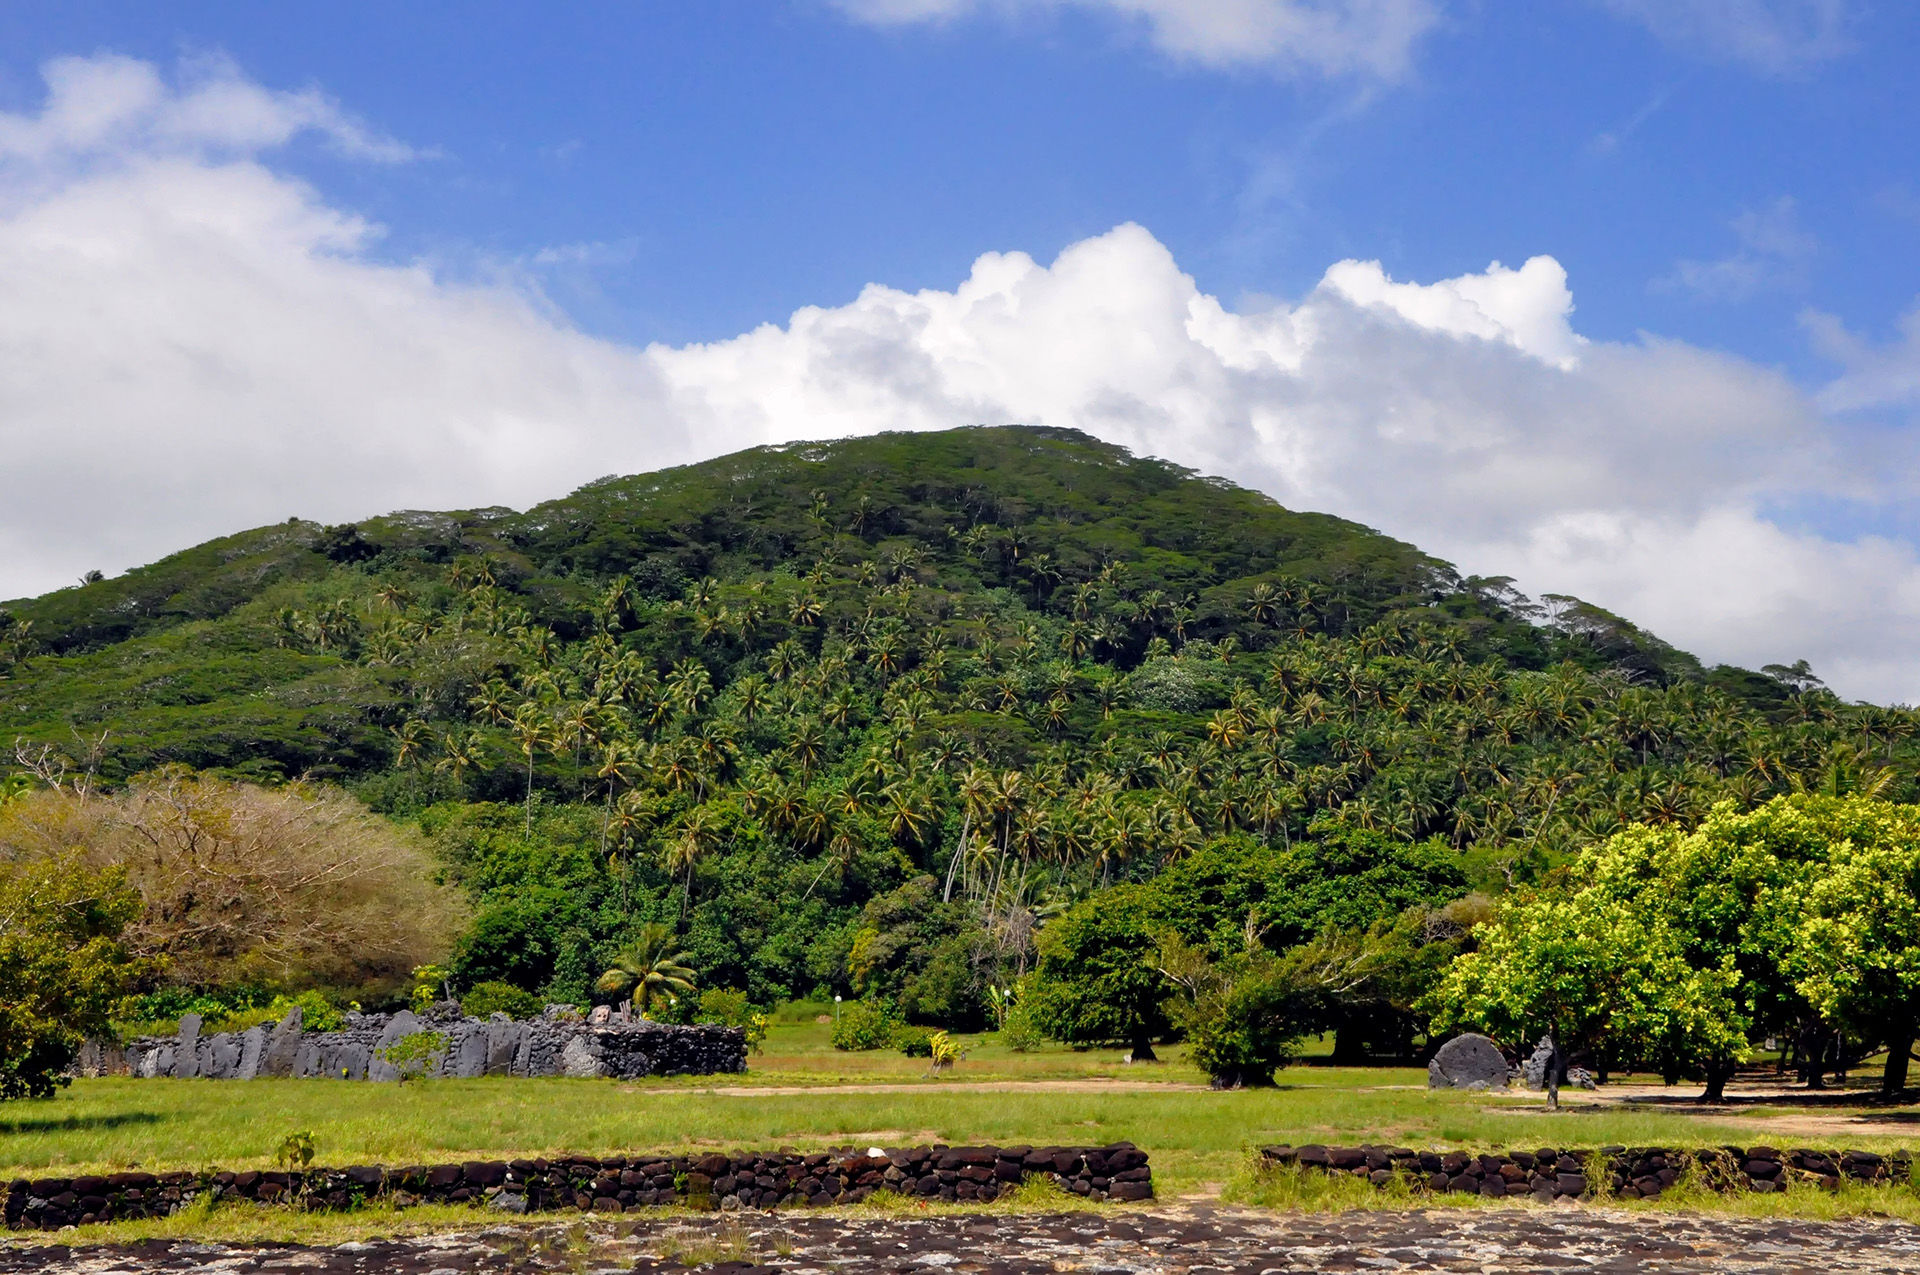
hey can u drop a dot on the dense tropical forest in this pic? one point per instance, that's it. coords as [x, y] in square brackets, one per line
[876, 717]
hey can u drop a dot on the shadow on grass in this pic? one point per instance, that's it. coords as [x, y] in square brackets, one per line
[1810, 1099]
[74, 1124]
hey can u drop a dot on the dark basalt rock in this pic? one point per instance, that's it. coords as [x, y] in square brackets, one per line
[1630, 1172]
[554, 1044]
[611, 1184]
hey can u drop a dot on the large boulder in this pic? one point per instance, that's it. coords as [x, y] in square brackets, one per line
[1468, 1062]
[404, 1023]
[579, 1059]
[283, 1047]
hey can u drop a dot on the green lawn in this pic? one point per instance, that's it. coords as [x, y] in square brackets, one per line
[1199, 1139]
[1056, 1095]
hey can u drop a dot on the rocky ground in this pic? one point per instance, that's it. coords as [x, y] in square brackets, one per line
[1192, 1240]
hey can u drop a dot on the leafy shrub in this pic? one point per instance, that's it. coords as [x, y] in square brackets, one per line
[495, 997]
[914, 1042]
[295, 1150]
[317, 1014]
[863, 1025]
[1020, 1029]
[731, 1008]
[415, 1054]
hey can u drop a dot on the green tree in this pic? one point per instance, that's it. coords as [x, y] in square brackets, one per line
[1097, 979]
[63, 969]
[1856, 949]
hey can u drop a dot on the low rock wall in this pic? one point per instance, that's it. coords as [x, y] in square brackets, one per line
[611, 1184]
[552, 1045]
[1629, 1172]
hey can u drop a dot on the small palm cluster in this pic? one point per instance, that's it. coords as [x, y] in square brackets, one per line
[648, 970]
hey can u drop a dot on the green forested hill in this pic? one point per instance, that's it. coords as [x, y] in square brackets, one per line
[860, 715]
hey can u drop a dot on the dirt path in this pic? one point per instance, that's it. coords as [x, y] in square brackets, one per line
[1192, 1240]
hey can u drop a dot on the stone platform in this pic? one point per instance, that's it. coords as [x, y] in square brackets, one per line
[1195, 1240]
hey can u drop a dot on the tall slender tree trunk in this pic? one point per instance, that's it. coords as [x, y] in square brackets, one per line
[966, 826]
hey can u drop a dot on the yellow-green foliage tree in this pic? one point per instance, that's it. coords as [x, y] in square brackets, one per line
[1857, 954]
[289, 887]
[1674, 948]
[63, 968]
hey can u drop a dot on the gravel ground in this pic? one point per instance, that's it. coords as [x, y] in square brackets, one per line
[1197, 1240]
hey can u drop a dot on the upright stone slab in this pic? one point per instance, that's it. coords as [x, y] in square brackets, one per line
[404, 1023]
[1468, 1062]
[1535, 1067]
[186, 1055]
[253, 1043]
[503, 1041]
[223, 1056]
[350, 1061]
[468, 1056]
[283, 1049]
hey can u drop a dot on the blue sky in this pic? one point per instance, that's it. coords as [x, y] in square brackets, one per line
[734, 161]
[1726, 191]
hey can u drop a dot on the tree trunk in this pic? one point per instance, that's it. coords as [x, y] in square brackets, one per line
[1143, 1049]
[1899, 1047]
[1718, 1074]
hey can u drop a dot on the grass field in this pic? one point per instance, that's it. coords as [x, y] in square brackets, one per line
[803, 1094]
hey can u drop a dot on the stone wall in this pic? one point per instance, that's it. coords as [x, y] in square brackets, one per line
[612, 1184]
[1630, 1172]
[556, 1044]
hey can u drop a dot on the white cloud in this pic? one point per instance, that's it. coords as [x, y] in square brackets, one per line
[1369, 38]
[191, 343]
[109, 105]
[1773, 253]
[1884, 376]
[1777, 37]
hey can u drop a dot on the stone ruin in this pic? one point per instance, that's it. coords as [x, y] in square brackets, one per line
[1468, 1062]
[558, 1043]
[1472, 1061]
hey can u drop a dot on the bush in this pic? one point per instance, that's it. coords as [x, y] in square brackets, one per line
[495, 997]
[317, 1014]
[1020, 1029]
[914, 1042]
[730, 1008]
[1245, 1016]
[415, 1055]
[863, 1025]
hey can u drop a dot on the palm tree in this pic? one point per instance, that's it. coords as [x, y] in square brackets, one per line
[648, 969]
[699, 833]
[532, 732]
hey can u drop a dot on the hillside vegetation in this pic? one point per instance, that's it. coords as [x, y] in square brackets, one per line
[861, 717]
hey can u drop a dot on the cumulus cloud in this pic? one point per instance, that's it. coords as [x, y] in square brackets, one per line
[1776, 37]
[192, 342]
[1368, 38]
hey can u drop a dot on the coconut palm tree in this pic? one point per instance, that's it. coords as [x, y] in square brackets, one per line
[650, 968]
